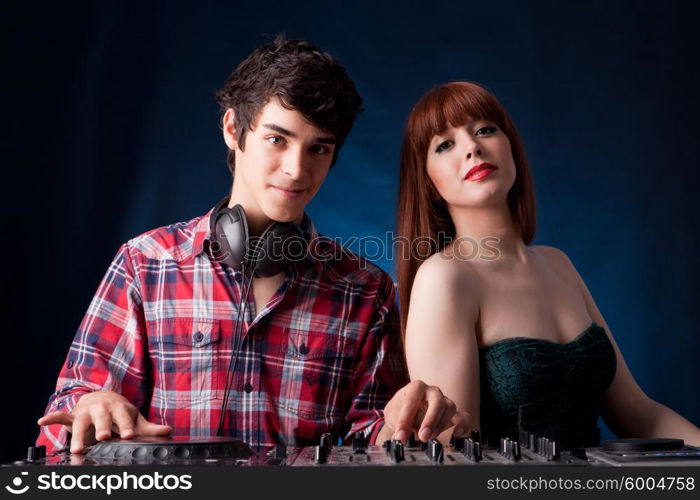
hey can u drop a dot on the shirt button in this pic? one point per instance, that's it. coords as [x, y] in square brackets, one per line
[303, 349]
[238, 276]
[70, 363]
[198, 336]
[248, 387]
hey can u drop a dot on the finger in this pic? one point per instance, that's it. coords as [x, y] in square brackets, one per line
[56, 417]
[80, 425]
[102, 419]
[461, 422]
[124, 421]
[436, 407]
[445, 421]
[411, 403]
[146, 428]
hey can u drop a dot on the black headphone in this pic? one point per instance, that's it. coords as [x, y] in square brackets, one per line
[270, 253]
[229, 242]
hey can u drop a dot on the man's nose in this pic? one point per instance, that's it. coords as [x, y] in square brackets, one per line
[293, 165]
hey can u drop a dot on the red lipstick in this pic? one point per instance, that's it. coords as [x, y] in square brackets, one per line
[479, 172]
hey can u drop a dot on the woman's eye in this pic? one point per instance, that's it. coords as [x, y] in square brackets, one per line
[488, 130]
[443, 146]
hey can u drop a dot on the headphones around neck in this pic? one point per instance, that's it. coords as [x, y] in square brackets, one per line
[266, 255]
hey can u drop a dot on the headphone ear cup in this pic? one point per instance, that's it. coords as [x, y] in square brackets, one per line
[232, 234]
[279, 244]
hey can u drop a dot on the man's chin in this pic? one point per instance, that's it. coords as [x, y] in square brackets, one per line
[285, 215]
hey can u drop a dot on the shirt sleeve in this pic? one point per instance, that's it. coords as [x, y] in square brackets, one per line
[108, 351]
[381, 367]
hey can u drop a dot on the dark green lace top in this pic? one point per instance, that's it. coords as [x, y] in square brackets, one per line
[558, 386]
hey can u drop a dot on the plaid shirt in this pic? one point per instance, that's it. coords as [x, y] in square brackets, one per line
[323, 355]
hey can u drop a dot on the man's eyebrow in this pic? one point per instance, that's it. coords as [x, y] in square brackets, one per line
[289, 133]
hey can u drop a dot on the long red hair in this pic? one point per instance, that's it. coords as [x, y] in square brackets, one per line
[422, 216]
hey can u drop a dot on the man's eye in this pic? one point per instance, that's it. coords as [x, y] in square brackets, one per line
[443, 146]
[488, 130]
[276, 140]
[320, 149]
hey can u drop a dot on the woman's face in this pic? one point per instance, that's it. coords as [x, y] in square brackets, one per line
[471, 165]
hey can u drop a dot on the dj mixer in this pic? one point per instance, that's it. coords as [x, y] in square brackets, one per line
[528, 449]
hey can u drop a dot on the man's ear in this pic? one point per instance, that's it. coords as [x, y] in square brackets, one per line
[229, 129]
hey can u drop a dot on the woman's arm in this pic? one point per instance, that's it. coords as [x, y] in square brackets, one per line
[627, 410]
[441, 347]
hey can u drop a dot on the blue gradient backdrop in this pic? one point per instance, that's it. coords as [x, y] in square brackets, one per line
[110, 129]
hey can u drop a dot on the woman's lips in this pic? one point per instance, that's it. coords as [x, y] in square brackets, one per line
[479, 172]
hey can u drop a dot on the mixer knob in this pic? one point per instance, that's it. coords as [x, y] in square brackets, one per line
[320, 455]
[36, 453]
[434, 451]
[457, 442]
[477, 451]
[515, 451]
[397, 452]
[475, 436]
[326, 441]
[472, 450]
[547, 449]
[359, 442]
[280, 451]
[503, 446]
[555, 451]
[411, 442]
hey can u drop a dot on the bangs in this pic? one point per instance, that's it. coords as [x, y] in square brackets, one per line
[452, 105]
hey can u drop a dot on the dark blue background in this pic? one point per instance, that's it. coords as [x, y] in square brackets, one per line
[110, 129]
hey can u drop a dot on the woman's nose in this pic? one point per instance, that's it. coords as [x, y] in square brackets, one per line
[473, 150]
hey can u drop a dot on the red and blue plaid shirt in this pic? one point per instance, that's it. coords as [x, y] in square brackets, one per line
[323, 355]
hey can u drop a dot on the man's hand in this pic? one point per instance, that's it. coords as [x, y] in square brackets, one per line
[424, 408]
[97, 415]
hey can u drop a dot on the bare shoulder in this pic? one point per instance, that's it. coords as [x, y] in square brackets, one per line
[446, 271]
[554, 257]
[444, 300]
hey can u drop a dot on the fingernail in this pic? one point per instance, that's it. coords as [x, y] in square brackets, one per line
[425, 434]
[401, 435]
[127, 433]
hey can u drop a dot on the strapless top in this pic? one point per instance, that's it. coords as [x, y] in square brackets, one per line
[558, 388]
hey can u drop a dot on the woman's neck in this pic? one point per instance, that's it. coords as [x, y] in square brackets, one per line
[493, 226]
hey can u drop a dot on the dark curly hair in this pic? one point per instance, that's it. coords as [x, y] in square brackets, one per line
[303, 77]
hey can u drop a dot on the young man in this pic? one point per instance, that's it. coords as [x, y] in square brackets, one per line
[174, 342]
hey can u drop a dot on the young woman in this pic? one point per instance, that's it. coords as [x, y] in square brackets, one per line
[508, 331]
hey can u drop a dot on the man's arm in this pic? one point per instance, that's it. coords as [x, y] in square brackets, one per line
[108, 354]
[381, 368]
[386, 405]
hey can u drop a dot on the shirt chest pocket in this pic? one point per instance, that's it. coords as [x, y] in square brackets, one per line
[318, 369]
[184, 353]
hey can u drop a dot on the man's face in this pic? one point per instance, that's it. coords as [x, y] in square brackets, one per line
[285, 161]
